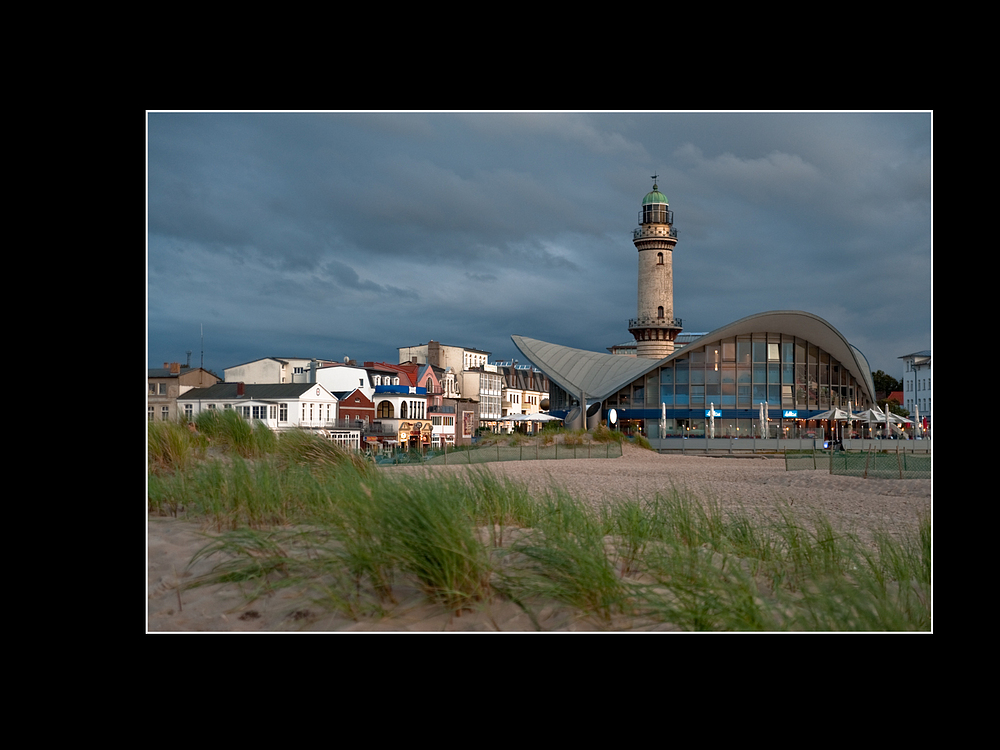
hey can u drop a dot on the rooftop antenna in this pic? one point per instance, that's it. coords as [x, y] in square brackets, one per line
[202, 346]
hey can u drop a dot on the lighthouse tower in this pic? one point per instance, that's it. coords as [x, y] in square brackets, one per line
[655, 327]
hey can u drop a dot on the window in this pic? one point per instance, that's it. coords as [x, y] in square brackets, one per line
[659, 311]
[283, 412]
[152, 389]
[188, 411]
[151, 413]
[659, 259]
[165, 413]
[403, 410]
[163, 389]
[385, 410]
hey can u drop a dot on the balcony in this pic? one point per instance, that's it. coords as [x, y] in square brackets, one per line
[402, 389]
[669, 323]
[654, 231]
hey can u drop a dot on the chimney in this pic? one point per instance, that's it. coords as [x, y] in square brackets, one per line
[240, 390]
[175, 367]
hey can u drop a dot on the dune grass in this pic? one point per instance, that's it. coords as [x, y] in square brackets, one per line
[347, 536]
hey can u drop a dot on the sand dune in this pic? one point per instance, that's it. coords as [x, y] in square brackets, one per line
[754, 483]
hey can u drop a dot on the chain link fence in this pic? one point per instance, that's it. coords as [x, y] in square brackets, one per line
[494, 453]
[866, 464]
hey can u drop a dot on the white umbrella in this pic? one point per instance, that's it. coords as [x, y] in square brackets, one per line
[763, 420]
[539, 417]
[916, 418]
[663, 419]
[711, 420]
[838, 415]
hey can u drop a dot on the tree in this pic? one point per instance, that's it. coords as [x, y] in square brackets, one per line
[893, 406]
[885, 384]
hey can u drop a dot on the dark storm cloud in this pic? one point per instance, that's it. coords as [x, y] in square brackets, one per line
[368, 231]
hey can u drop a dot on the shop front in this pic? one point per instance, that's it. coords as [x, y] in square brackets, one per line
[415, 436]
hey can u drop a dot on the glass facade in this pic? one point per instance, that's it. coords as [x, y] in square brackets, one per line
[741, 372]
[736, 374]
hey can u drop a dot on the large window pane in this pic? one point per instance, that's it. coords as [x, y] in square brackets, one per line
[787, 352]
[728, 394]
[743, 396]
[743, 351]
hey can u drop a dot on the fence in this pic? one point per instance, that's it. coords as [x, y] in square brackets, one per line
[866, 464]
[494, 453]
[776, 445]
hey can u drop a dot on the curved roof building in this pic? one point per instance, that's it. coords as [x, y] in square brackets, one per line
[794, 362]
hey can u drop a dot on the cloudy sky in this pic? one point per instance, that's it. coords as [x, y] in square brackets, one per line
[351, 234]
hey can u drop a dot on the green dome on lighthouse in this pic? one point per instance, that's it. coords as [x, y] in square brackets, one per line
[654, 197]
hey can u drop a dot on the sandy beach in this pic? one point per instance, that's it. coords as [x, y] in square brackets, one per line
[755, 483]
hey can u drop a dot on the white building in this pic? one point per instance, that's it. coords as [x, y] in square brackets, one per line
[917, 384]
[458, 358]
[340, 377]
[275, 370]
[280, 406]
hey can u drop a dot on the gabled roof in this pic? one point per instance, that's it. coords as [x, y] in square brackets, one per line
[341, 395]
[259, 391]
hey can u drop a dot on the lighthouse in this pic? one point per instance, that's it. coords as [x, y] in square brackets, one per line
[654, 326]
